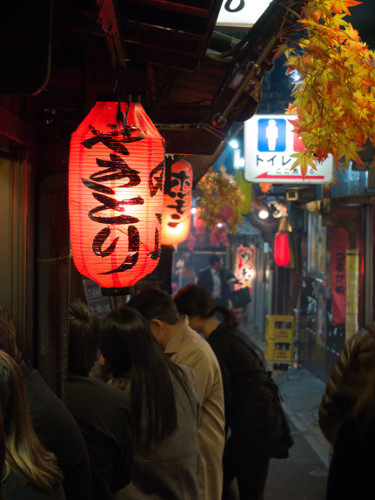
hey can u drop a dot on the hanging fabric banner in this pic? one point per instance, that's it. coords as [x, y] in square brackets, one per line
[352, 261]
[339, 244]
[339, 271]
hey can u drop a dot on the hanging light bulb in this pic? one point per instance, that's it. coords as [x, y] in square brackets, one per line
[263, 214]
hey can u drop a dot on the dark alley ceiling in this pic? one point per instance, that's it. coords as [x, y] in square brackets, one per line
[195, 82]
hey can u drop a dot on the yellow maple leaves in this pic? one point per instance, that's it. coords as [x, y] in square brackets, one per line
[335, 96]
[343, 5]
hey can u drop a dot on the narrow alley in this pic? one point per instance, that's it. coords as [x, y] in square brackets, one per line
[303, 475]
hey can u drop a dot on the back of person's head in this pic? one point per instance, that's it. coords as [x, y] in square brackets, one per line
[7, 332]
[126, 340]
[132, 351]
[154, 303]
[213, 258]
[84, 333]
[23, 449]
[193, 300]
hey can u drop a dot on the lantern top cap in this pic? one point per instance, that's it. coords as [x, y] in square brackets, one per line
[103, 117]
[122, 97]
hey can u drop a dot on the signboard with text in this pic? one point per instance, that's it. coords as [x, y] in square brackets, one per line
[99, 304]
[269, 142]
[242, 13]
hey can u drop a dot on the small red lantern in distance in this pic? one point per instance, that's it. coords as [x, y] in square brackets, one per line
[116, 184]
[177, 204]
[281, 249]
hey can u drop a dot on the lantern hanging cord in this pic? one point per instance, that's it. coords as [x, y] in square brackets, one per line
[55, 259]
[123, 118]
[120, 115]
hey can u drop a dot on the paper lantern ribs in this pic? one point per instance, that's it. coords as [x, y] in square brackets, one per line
[116, 184]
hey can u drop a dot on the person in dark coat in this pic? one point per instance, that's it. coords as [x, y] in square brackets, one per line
[347, 381]
[347, 418]
[101, 411]
[216, 280]
[52, 421]
[251, 406]
[350, 474]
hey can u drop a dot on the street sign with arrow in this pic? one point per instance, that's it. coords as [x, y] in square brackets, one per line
[269, 142]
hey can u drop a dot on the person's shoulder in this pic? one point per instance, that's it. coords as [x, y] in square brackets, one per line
[41, 398]
[100, 389]
[198, 345]
[98, 405]
[193, 337]
[224, 337]
[31, 376]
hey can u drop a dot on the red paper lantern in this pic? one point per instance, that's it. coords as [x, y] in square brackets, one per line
[177, 204]
[281, 249]
[116, 183]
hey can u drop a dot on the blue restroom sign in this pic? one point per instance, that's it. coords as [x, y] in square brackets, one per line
[271, 134]
[269, 142]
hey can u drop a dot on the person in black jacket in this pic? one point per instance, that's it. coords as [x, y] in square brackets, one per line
[217, 280]
[257, 428]
[52, 421]
[101, 411]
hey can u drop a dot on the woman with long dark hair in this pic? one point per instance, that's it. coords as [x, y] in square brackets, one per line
[164, 405]
[257, 429]
[30, 471]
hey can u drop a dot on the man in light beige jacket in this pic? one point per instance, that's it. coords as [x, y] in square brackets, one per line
[185, 346]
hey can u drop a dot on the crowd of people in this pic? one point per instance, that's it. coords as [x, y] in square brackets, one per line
[168, 398]
[157, 406]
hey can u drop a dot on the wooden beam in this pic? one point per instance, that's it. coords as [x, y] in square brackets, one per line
[350, 225]
[12, 127]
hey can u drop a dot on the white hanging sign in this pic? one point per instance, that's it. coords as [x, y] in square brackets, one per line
[269, 142]
[242, 13]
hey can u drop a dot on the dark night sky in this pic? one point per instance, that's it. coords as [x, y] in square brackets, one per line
[363, 19]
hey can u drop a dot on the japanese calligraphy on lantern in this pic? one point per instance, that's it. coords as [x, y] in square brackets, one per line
[177, 203]
[116, 182]
[269, 143]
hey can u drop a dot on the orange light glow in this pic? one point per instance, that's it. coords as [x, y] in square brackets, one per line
[116, 183]
[177, 204]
